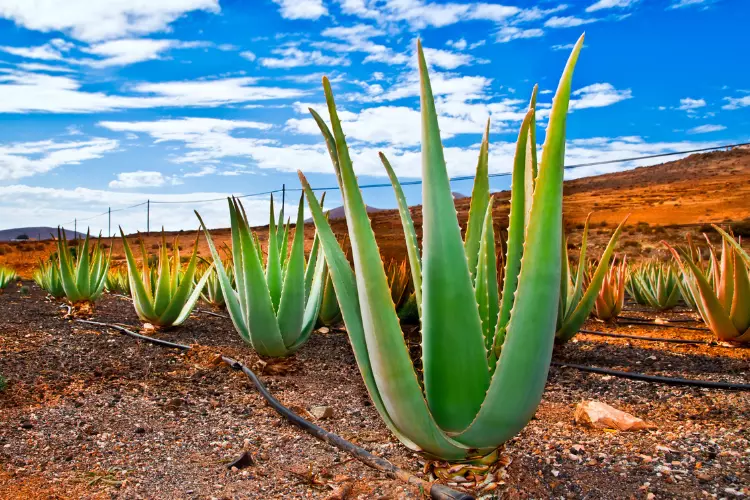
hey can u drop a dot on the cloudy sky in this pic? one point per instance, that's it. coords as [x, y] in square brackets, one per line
[110, 103]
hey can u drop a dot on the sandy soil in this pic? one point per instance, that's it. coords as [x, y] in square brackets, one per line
[90, 413]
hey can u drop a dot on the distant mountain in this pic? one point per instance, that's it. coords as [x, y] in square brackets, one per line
[338, 212]
[458, 196]
[34, 233]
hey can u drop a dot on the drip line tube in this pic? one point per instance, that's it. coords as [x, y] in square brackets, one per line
[662, 325]
[655, 378]
[648, 339]
[436, 491]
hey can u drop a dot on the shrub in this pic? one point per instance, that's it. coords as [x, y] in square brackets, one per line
[3, 383]
[24, 291]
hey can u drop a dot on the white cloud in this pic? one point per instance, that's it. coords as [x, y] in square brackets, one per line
[704, 129]
[102, 19]
[460, 44]
[292, 57]
[141, 179]
[598, 95]
[184, 129]
[51, 51]
[736, 102]
[25, 159]
[688, 104]
[301, 9]
[567, 22]
[508, 33]
[25, 92]
[358, 8]
[250, 56]
[357, 38]
[48, 68]
[610, 4]
[447, 59]
[678, 4]
[204, 171]
[132, 50]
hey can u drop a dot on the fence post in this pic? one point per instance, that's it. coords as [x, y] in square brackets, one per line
[75, 229]
[109, 222]
[283, 196]
[148, 217]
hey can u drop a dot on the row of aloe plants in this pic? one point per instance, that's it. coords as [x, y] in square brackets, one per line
[486, 342]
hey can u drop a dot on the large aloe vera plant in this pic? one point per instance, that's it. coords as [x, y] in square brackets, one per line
[722, 298]
[84, 276]
[611, 297]
[575, 303]
[163, 295]
[473, 395]
[273, 309]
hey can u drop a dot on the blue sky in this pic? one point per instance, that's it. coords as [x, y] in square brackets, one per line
[113, 102]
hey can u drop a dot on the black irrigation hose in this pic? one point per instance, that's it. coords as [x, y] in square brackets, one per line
[436, 491]
[655, 378]
[648, 339]
[662, 325]
[676, 320]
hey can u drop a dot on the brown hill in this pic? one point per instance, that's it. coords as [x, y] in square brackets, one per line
[665, 201]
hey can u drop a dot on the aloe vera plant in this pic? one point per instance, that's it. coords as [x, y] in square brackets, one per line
[330, 312]
[484, 367]
[575, 303]
[273, 309]
[7, 276]
[117, 282]
[655, 284]
[47, 276]
[611, 297]
[724, 304]
[212, 293]
[84, 276]
[163, 295]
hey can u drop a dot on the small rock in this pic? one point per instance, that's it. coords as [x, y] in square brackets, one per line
[140, 430]
[598, 415]
[323, 329]
[27, 425]
[321, 412]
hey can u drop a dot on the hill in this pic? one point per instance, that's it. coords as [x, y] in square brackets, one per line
[34, 233]
[665, 202]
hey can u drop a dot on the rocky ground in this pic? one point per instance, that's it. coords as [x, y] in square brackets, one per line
[90, 413]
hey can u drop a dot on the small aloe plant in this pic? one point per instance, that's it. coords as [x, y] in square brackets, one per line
[485, 363]
[118, 282]
[84, 276]
[47, 276]
[212, 293]
[611, 298]
[7, 276]
[273, 309]
[575, 304]
[722, 298]
[163, 295]
[655, 284]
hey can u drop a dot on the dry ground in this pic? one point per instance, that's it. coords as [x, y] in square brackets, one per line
[90, 413]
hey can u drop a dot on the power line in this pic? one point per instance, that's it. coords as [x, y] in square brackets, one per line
[417, 181]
